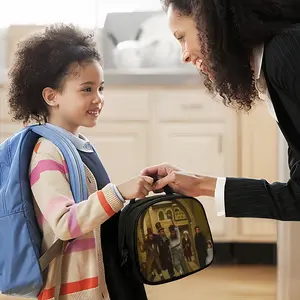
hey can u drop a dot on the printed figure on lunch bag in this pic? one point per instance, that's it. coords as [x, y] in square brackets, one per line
[165, 255]
[179, 261]
[210, 252]
[187, 246]
[56, 79]
[201, 246]
[152, 252]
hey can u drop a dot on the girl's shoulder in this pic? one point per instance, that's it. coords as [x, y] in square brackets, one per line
[44, 149]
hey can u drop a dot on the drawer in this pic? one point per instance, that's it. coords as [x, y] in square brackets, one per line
[125, 105]
[191, 105]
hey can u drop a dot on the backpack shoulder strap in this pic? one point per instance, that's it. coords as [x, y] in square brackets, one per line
[72, 157]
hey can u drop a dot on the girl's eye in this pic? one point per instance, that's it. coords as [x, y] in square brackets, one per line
[88, 90]
[101, 88]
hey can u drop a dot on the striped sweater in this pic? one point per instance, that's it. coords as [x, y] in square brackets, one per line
[82, 269]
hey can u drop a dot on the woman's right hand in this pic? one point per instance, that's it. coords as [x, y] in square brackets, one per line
[137, 187]
[181, 181]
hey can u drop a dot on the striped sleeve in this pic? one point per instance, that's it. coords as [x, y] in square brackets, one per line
[51, 190]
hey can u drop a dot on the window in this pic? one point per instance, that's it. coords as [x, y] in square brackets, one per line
[179, 214]
[169, 214]
[161, 216]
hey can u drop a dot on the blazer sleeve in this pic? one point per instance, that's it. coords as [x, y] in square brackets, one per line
[253, 198]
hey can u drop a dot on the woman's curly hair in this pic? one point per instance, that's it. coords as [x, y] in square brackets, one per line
[229, 30]
[43, 60]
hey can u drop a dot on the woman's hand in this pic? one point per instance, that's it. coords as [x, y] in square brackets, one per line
[180, 181]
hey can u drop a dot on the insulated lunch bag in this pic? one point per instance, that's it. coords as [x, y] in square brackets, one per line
[165, 237]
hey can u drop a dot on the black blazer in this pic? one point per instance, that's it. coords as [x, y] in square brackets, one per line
[259, 198]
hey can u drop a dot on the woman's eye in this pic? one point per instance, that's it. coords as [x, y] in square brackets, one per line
[87, 90]
[101, 88]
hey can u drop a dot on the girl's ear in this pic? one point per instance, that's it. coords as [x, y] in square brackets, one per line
[49, 96]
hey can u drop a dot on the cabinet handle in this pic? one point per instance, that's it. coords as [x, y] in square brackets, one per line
[192, 106]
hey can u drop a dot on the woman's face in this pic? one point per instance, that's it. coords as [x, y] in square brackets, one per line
[185, 31]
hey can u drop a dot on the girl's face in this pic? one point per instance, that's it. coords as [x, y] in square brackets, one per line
[81, 99]
[185, 31]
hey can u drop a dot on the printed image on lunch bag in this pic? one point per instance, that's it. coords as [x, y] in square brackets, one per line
[177, 244]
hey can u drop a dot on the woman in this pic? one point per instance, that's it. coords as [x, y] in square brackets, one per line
[246, 49]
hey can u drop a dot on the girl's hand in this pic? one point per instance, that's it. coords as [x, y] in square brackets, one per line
[137, 187]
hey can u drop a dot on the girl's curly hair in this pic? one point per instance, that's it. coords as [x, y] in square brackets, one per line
[229, 30]
[43, 60]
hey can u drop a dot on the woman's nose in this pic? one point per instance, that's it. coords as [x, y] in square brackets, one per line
[186, 57]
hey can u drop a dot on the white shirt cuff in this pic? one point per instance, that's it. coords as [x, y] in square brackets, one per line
[219, 196]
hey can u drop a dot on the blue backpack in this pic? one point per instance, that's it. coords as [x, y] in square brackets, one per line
[21, 263]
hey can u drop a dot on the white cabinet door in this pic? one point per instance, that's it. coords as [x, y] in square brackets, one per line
[122, 148]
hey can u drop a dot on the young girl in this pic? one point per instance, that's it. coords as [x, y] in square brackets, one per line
[56, 78]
